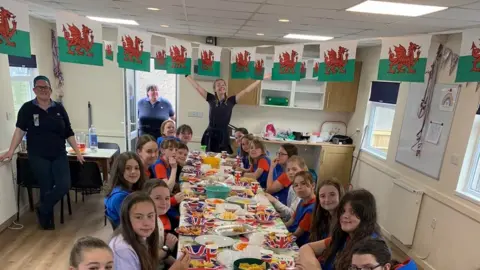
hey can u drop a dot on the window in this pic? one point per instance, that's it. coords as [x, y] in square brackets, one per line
[22, 85]
[380, 115]
[469, 181]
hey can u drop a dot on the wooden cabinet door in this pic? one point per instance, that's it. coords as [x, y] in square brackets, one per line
[342, 96]
[235, 86]
[335, 162]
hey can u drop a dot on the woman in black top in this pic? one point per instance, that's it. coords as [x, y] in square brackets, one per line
[47, 127]
[216, 136]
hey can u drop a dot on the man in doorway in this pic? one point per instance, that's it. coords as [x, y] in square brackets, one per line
[152, 111]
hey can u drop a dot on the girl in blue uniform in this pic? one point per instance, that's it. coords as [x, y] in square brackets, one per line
[168, 130]
[356, 221]
[375, 254]
[239, 133]
[259, 162]
[327, 200]
[299, 224]
[277, 180]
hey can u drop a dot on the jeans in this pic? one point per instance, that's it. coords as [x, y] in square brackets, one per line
[53, 177]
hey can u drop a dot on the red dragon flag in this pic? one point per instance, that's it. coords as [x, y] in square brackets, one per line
[159, 53]
[404, 59]
[133, 49]
[79, 39]
[15, 28]
[287, 62]
[179, 56]
[242, 61]
[259, 66]
[315, 68]
[337, 61]
[108, 49]
[468, 69]
[209, 60]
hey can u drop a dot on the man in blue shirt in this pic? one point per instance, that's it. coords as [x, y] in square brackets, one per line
[152, 111]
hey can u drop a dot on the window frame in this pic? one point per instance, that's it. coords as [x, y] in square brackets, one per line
[23, 78]
[372, 106]
[470, 173]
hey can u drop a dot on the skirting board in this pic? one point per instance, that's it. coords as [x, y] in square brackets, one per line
[10, 221]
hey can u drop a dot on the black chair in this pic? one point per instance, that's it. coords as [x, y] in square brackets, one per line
[107, 145]
[86, 178]
[26, 179]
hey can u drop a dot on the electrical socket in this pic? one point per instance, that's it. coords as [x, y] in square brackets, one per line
[434, 223]
[357, 130]
[455, 159]
[195, 114]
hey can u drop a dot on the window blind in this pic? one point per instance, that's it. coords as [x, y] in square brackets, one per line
[384, 92]
[26, 62]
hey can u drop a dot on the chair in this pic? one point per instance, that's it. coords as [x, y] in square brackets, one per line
[108, 145]
[86, 178]
[26, 179]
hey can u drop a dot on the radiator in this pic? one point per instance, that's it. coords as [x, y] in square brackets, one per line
[403, 210]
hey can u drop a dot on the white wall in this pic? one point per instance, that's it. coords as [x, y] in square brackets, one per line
[454, 242]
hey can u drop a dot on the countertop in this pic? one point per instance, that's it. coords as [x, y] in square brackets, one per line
[305, 143]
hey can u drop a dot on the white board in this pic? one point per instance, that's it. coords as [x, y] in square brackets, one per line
[431, 158]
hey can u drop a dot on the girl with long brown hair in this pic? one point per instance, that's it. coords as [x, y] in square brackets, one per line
[147, 150]
[259, 162]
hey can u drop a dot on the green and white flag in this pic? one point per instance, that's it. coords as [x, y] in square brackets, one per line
[242, 62]
[209, 60]
[160, 55]
[287, 62]
[79, 39]
[259, 67]
[133, 49]
[109, 49]
[337, 61]
[303, 70]
[316, 67]
[179, 56]
[15, 33]
[404, 59]
[468, 69]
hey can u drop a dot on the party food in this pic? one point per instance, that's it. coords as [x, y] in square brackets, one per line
[214, 201]
[247, 180]
[189, 230]
[201, 264]
[279, 240]
[241, 246]
[239, 229]
[248, 266]
[228, 216]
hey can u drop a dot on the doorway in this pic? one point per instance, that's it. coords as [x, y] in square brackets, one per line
[136, 83]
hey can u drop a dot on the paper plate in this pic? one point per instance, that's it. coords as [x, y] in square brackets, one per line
[220, 241]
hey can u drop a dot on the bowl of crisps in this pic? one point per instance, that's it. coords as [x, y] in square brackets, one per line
[196, 251]
[250, 264]
[265, 216]
[279, 240]
[204, 265]
[194, 206]
[197, 221]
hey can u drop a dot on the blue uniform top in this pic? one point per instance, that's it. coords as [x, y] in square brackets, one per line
[303, 219]
[153, 115]
[263, 163]
[161, 139]
[407, 265]
[281, 195]
[113, 204]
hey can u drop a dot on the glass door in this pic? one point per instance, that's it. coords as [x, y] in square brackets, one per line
[131, 115]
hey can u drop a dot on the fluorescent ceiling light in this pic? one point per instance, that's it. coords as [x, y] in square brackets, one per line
[154, 9]
[260, 34]
[390, 8]
[283, 20]
[164, 25]
[307, 37]
[113, 20]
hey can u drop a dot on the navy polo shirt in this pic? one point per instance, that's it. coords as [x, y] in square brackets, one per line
[46, 130]
[152, 115]
[220, 112]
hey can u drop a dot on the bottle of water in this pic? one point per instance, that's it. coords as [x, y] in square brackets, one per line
[92, 138]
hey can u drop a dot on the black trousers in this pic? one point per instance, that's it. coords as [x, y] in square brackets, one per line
[216, 140]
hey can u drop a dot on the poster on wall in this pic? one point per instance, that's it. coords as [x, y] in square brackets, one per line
[242, 62]
[80, 39]
[108, 49]
[15, 34]
[469, 61]
[160, 55]
[133, 49]
[179, 56]
[337, 61]
[404, 59]
[287, 62]
[209, 60]
[448, 99]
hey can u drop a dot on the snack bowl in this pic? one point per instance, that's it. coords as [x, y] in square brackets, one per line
[197, 221]
[204, 265]
[214, 201]
[194, 213]
[265, 216]
[198, 189]
[250, 261]
[279, 240]
[195, 206]
[196, 251]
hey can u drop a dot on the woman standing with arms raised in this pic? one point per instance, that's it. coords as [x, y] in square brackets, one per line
[216, 136]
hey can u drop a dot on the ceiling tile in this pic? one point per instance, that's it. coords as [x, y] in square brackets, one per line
[422, 21]
[222, 5]
[298, 19]
[201, 28]
[293, 11]
[475, 5]
[329, 4]
[364, 17]
[456, 14]
[210, 33]
[220, 14]
[349, 24]
[213, 26]
[442, 3]
[214, 20]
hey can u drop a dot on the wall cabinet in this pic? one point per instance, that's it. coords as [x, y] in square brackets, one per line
[335, 161]
[235, 86]
[342, 96]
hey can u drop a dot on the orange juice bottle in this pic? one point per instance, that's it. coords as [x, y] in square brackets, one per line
[212, 161]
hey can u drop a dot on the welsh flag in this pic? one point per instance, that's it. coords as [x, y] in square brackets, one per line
[109, 48]
[242, 61]
[316, 66]
[303, 70]
[337, 61]
[209, 60]
[287, 62]
[160, 56]
[404, 59]
[133, 49]
[179, 56]
[79, 39]
[259, 67]
[468, 69]
[15, 36]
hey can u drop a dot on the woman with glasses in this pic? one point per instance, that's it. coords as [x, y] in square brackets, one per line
[374, 254]
[277, 180]
[47, 126]
[152, 111]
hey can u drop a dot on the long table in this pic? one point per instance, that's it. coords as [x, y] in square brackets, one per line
[277, 225]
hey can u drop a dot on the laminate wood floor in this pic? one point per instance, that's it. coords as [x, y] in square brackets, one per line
[34, 249]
